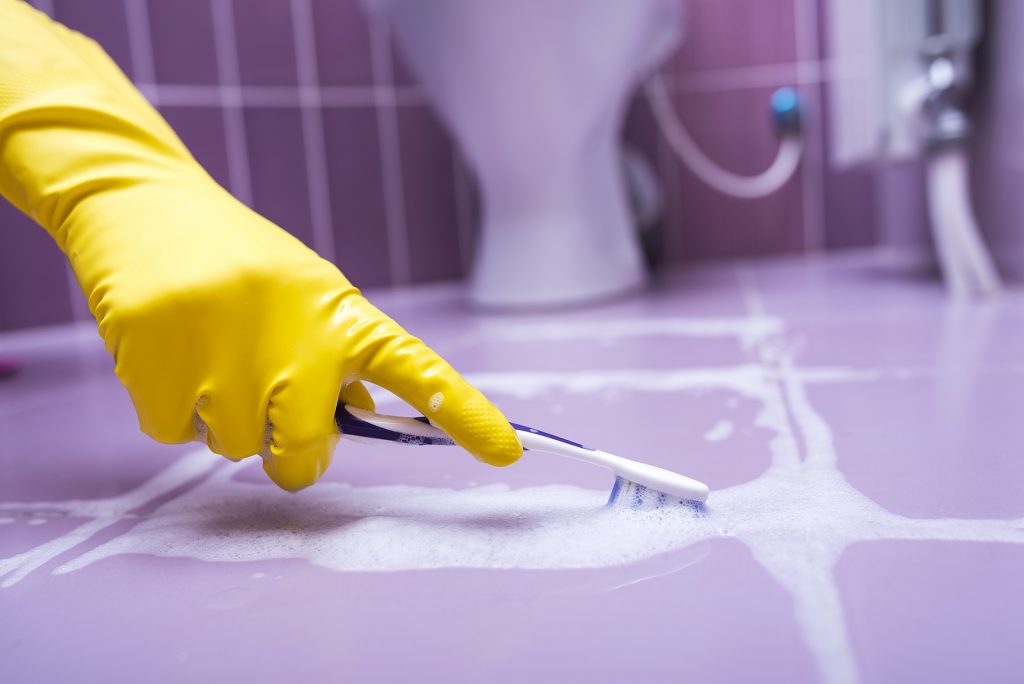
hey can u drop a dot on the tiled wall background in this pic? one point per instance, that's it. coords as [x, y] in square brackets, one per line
[304, 110]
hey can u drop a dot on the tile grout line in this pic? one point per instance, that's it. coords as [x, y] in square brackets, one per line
[304, 36]
[283, 96]
[228, 75]
[811, 169]
[390, 155]
[727, 79]
[187, 473]
[139, 43]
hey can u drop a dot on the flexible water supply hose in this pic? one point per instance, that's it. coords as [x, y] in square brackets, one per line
[786, 162]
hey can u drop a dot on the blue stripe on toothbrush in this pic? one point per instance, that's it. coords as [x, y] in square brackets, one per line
[352, 426]
[563, 440]
[527, 428]
[616, 490]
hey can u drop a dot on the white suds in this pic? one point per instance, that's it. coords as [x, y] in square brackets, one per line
[720, 431]
[797, 517]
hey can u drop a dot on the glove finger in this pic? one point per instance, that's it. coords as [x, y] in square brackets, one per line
[235, 422]
[356, 394]
[390, 357]
[303, 432]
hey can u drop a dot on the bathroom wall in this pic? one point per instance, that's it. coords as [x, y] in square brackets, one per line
[303, 109]
[998, 154]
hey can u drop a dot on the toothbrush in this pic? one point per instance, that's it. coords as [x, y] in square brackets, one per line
[637, 485]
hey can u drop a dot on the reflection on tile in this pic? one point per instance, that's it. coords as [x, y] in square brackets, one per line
[934, 611]
[933, 446]
[832, 546]
[74, 452]
[876, 285]
[24, 531]
[951, 339]
[542, 627]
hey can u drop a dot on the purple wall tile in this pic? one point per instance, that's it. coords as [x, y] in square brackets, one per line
[401, 70]
[737, 33]
[342, 43]
[441, 207]
[998, 146]
[912, 584]
[265, 39]
[850, 200]
[821, 8]
[468, 211]
[902, 205]
[429, 183]
[357, 200]
[851, 214]
[183, 42]
[202, 131]
[733, 128]
[277, 168]
[102, 20]
[33, 280]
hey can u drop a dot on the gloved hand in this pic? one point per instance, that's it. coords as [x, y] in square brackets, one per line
[218, 320]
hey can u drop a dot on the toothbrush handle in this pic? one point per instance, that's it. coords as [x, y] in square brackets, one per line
[353, 422]
[360, 424]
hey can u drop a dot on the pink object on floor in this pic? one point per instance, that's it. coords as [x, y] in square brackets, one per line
[8, 367]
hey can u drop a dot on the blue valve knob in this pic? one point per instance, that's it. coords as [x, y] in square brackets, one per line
[785, 104]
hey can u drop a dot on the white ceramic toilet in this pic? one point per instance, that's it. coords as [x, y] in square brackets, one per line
[535, 92]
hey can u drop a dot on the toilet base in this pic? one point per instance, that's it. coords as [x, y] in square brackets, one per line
[553, 281]
[569, 240]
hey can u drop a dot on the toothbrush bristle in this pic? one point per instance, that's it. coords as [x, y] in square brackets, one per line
[628, 494]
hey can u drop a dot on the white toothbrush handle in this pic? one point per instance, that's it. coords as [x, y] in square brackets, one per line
[648, 475]
[359, 424]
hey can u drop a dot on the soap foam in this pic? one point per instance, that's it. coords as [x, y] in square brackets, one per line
[797, 517]
[720, 431]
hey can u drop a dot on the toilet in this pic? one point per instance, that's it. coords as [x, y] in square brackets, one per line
[534, 93]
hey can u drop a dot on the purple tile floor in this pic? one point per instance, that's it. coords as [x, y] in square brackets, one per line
[866, 523]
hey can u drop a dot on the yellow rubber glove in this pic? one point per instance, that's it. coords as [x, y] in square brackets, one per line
[219, 321]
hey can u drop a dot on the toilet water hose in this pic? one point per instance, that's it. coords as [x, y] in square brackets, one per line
[786, 116]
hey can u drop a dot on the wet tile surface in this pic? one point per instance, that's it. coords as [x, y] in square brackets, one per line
[977, 641]
[858, 433]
